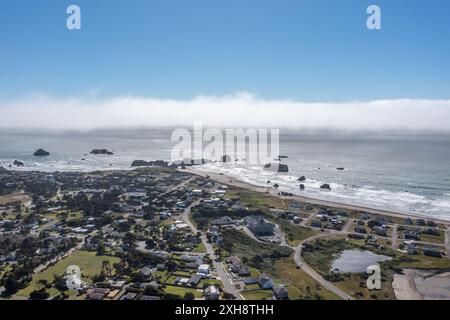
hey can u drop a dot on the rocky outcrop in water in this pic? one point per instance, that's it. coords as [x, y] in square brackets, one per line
[302, 187]
[143, 163]
[101, 151]
[340, 169]
[18, 163]
[325, 186]
[41, 153]
[140, 163]
[277, 167]
[302, 178]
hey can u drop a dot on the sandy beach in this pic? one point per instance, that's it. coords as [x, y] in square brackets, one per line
[232, 181]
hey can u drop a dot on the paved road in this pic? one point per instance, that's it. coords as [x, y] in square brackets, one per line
[220, 268]
[312, 273]
[447, 241]
[395, 237]
[348, 225]
[251, 235]
[307, 220]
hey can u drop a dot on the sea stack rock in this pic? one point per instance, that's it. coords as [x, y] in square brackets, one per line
[277, 166]
[325, 186]
[340, 169]
[302, 178]
[302, 187]
[101, 151]
[41, 153]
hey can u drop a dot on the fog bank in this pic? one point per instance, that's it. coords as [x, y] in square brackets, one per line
[238, 110]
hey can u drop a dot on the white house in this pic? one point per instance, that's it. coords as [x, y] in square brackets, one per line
[203, 270]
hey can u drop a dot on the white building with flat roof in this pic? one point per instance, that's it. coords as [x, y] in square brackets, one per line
[203, 270]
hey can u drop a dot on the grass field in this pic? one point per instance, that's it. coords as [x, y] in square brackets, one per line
[181, 291]
[18, 196]
[355, 285]
[255, 199]
[299, 284]
[89, 263]
[434, 239]
[200, 248]
[326, 251]
[257, 294]
[261, 256]
[294, 233]
[425, 263]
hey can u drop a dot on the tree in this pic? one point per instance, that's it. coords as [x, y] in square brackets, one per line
[39, 295]
[12, 284]
[43, 283]
[171, 265]
[150, 244]
[100, 248]
[189, 296]
[151, 291]
[106, 268]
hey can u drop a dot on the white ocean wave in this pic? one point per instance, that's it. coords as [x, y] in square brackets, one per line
[367, 195]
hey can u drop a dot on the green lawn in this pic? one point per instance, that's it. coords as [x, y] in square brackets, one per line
[257, 294]
[181, 291]
[89, 263]
[299, 285]
[200, 248]
[261, 256]
[294, 233]
[434, 239]
[256, 199]
[420, 261]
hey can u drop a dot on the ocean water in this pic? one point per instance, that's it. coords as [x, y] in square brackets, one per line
[400, 172]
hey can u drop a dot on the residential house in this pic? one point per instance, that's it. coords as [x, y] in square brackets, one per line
[432, 251]
[203, 270]
[259, 226]
[265, 282]
[212, 293]
[280, 293]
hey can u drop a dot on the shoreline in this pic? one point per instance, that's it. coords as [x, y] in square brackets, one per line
[235, 182]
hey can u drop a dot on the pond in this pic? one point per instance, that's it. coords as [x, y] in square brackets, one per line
[355, 261]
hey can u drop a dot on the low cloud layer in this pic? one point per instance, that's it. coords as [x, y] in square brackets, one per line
[239, 110]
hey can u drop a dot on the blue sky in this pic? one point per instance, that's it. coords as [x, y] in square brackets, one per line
[305, 50]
